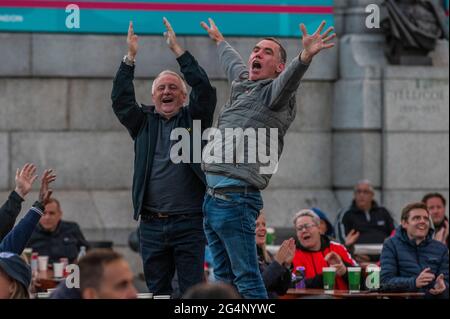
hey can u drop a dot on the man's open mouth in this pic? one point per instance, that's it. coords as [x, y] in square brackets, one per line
[167, 100]
[306, 237]
[256, 65]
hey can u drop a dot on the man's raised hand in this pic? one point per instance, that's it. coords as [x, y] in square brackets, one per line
[351, 237]
[132, 41]
[25, 178]
[171, 39]
[213, 31]
[45, 192]
[316, 42]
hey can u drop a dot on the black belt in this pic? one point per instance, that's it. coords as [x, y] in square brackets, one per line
[147, 215]
[221, 191]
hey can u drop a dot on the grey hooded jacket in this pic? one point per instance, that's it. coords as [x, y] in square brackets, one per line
[266, 104]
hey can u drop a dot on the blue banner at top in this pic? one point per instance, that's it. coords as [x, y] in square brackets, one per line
[235, 17]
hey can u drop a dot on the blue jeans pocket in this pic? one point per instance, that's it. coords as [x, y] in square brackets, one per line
[227, 200]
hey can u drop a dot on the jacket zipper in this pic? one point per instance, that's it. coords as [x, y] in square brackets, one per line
[146, 166]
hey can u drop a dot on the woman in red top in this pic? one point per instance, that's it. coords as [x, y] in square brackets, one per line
[316, 251]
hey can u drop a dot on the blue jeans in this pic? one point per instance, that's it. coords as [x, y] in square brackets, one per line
[169, 244]
[230, 230]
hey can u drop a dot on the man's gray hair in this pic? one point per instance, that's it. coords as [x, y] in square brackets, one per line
[166, 72]
[309, 213]
[364, 182]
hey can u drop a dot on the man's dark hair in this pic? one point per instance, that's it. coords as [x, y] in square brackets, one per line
[92, 266]
[283, 54]
[433, 195]
[408, 208]
[54, 200]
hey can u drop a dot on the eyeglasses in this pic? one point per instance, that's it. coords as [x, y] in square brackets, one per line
[305, 227]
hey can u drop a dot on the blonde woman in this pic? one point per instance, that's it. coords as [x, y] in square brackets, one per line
[275, 270]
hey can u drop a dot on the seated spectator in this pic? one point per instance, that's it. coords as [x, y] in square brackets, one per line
[55, 237]
[365, 222]
[276, 271]
[316, 251]
[436, 206]
[11, 208]
[215, 290]
[326, 228]
[412, 260]
[104, 274]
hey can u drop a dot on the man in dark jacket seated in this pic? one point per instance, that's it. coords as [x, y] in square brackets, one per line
[55, 237]
[412, 260]
[365, 222]
[436, 207]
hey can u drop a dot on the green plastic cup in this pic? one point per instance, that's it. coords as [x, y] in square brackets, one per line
[329, 277]
[270, 236]
[354, 279]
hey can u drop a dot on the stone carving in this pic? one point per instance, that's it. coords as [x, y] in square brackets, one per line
[412, 28]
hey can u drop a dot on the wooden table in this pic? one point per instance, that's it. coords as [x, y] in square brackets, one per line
[341, 294]
[47, 281]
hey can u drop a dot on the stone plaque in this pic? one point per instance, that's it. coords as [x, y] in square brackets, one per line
[416, 105]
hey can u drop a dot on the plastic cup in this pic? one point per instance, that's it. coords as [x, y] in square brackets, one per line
[354, 279]
[329, 276]
[373, 276]
[58, 270]
[27, 252]
[270, 236]
[43, 263]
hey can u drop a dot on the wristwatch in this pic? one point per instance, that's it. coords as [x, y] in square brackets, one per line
[39, 205]
[127, 61]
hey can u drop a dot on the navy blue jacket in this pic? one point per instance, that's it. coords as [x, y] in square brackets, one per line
[9, 212]
[142, 122]
[63, 292]
[402, 260]
[376, 230]
[17, 239]
[65, 241]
